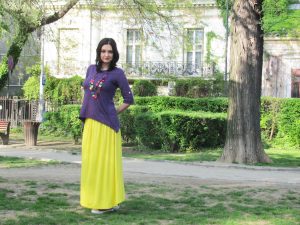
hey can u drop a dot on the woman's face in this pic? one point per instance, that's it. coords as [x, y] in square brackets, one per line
[106, 54]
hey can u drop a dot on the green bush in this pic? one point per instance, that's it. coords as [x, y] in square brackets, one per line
[127, 120]
[31, 87]
[60, 90]
[289, 121]
[199, 87]
[148, 130]
[192, 130]
[64, 90]
[173, 131]
[270, 108]
[163, 103]
[144, 88]
[64, 122]
[280, 121]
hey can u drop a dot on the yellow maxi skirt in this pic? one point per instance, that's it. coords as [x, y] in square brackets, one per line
[102, 184]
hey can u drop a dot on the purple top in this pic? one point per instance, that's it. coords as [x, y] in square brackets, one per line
[101, 107]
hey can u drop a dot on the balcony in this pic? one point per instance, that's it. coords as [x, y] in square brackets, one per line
[161, 69]
[147, 70]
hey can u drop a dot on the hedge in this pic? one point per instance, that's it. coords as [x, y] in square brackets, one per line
[64, 122]
[174, 130]
[180, 124]
[162, 103]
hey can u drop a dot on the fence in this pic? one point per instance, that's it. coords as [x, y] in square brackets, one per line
[18, 111]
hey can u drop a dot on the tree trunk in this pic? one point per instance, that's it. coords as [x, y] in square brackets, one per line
[243, 138]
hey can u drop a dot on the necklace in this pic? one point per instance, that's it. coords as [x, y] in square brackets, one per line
[96, 88]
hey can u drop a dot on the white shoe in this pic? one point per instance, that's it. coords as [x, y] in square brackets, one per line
[99, 211]
[117, 207]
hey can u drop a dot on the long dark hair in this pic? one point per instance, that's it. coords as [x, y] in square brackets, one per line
[115, 59]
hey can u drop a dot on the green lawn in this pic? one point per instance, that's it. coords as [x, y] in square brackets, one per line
[31, 202]
[14, 162]
[281, 157]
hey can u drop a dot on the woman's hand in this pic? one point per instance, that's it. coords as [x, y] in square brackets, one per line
[122, 107]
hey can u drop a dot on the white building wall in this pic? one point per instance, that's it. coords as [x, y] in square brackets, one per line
[88, 26]
[281, 56]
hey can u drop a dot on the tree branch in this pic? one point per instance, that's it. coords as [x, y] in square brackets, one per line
[55, 16]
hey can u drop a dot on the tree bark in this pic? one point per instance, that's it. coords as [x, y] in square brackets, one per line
[243, 138]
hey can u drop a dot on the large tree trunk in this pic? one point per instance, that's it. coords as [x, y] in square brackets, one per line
[243, 139]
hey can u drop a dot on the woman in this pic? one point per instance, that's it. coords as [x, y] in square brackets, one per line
[102, 185]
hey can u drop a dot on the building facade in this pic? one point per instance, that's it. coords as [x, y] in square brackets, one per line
[148, 48]
[191, 45]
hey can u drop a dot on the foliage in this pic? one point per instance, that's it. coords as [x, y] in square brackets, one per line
[31, 87]
[280, 121]
[26, 17]
[64, 90]
[63, 122]
[70, 122]
[175, 131]
[279, 20]
[165, 103]
[144, 88]
[181, 124]
[199, 87]
[289, 121]
[181, 132]
[56, 90]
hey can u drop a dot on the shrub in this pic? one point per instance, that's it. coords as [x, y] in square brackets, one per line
[61, 90]
[173, 131]
[199, 87]
[31, 88]
[144, 88]
[148, 130]
[289, 121]
[270, 108]
[192, 130]
[163, 103]
[63, 122]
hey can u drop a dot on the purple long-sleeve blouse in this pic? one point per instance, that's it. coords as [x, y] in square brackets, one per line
[98, 104]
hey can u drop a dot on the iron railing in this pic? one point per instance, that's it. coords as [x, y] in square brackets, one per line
[146, 69]
[18, 111]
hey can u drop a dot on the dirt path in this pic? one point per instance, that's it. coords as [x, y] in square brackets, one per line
[70, 173]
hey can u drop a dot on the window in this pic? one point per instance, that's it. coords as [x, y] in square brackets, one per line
[133, 47]
[194, 47]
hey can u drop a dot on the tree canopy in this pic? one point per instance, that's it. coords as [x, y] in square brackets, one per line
[277, 20]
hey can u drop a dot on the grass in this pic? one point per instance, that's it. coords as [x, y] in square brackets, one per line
[281, 157]
[207, 155]
[15, 162]
[47, 203]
